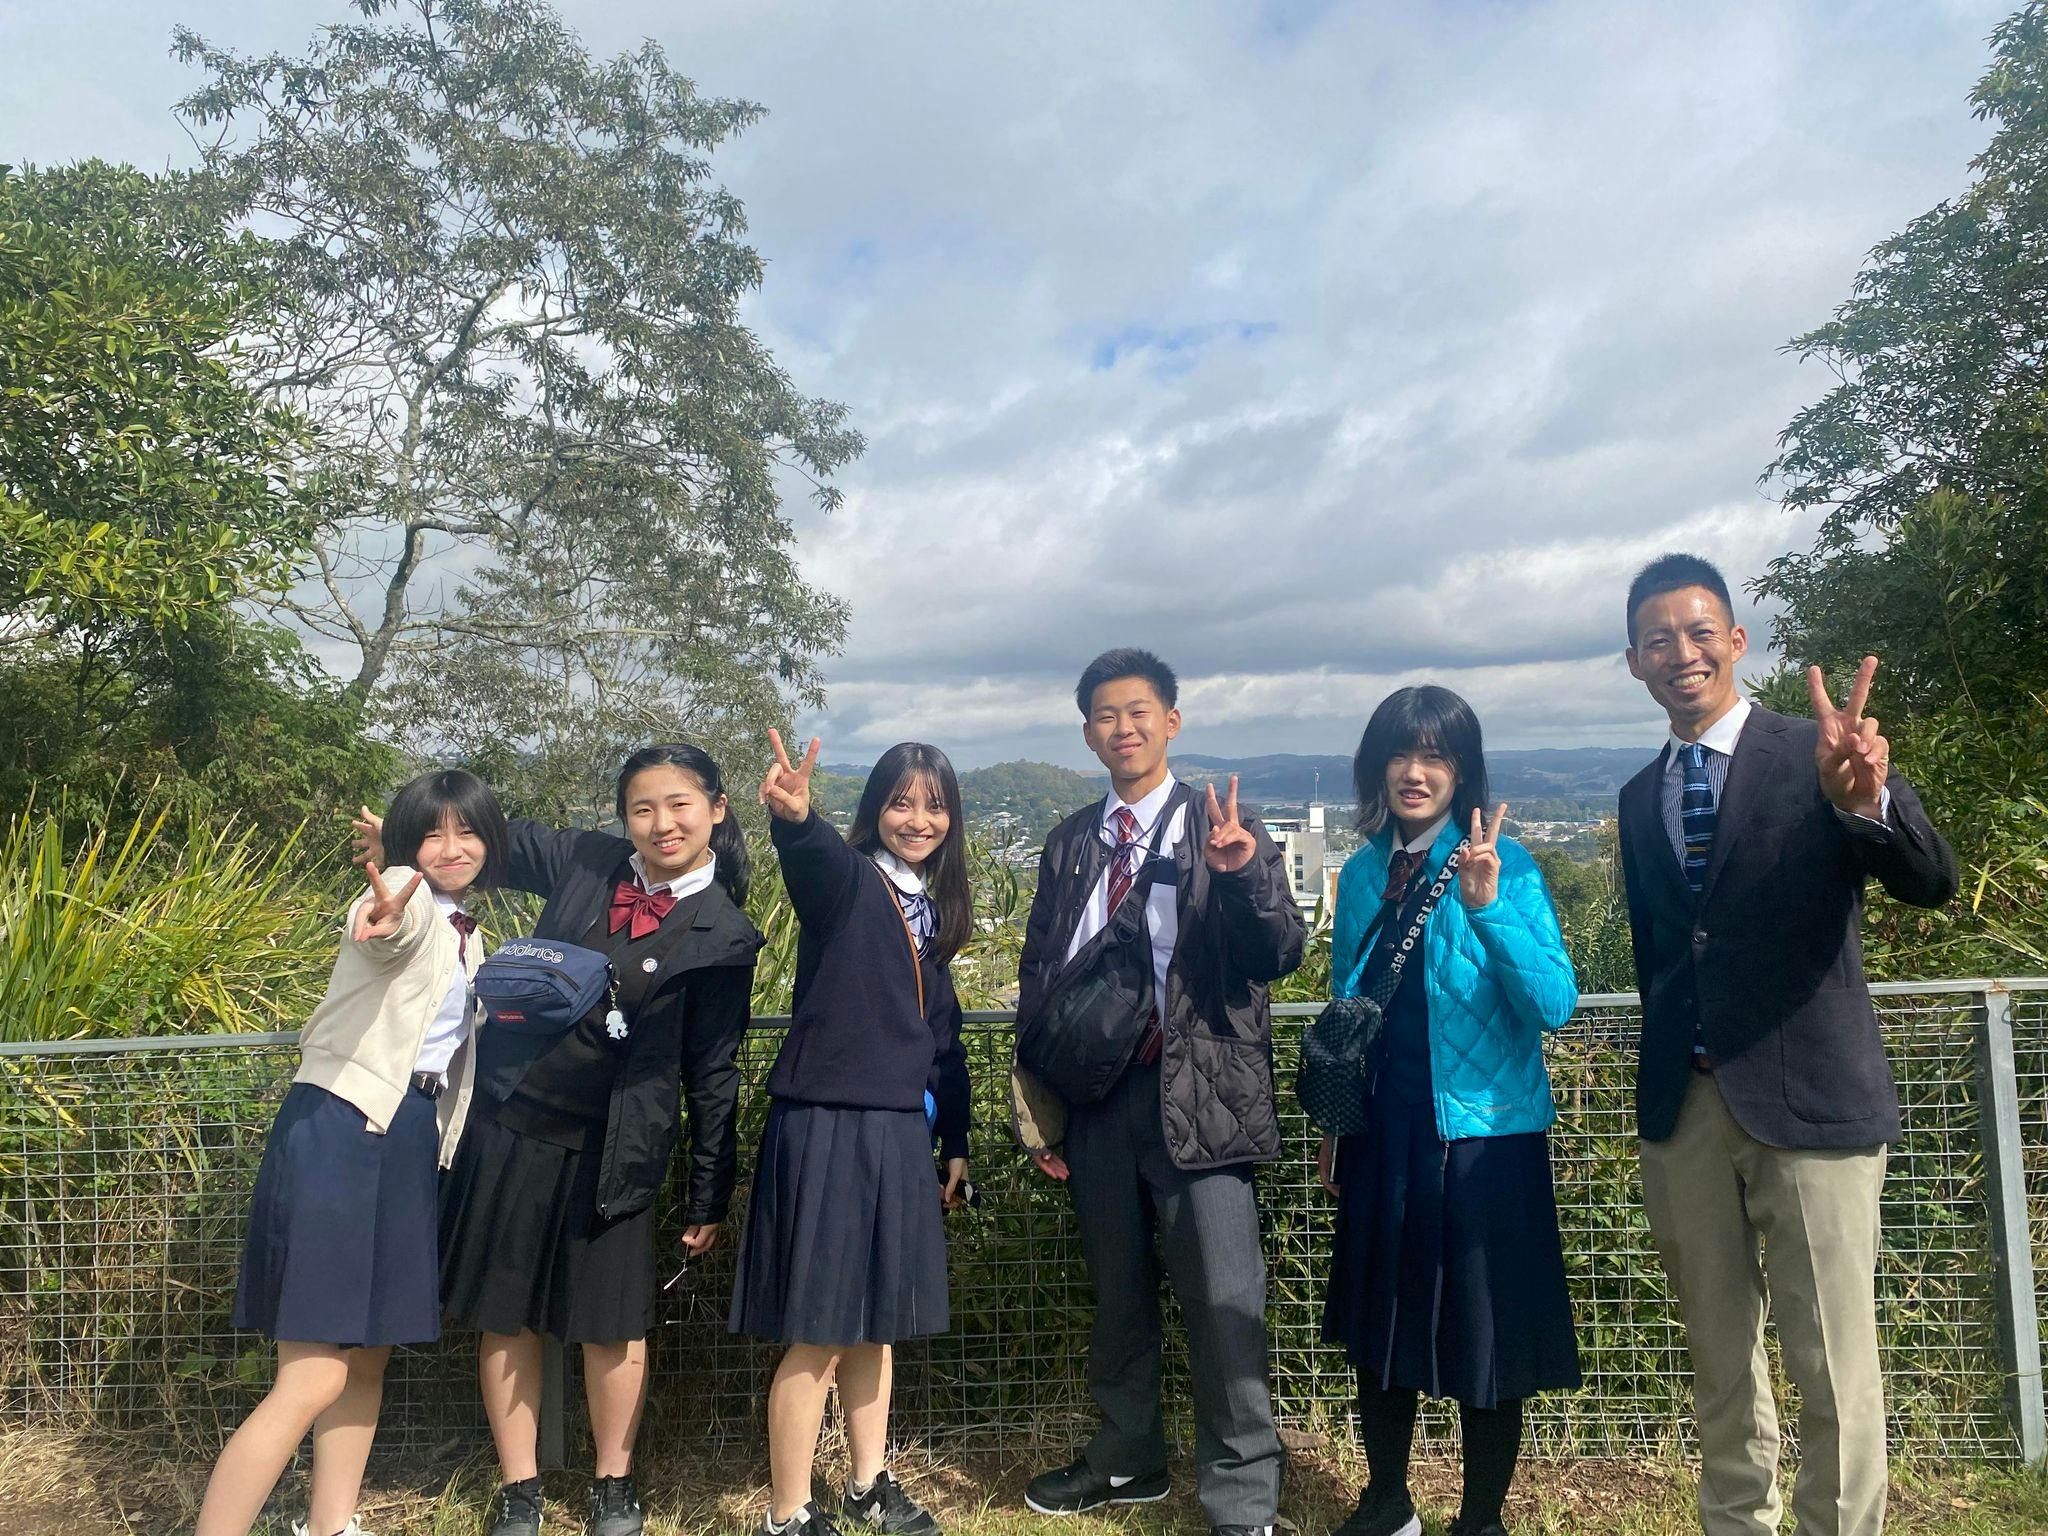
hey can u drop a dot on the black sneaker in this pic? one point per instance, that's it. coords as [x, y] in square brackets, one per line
[1077, 1486]
[614, 1507]
[1382, 1513]
[886, 1507]
[515, 1511]
[811, 1520]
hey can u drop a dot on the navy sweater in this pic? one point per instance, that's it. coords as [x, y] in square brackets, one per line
[856, 1035]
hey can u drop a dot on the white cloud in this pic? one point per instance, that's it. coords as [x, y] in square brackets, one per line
[1318, 347]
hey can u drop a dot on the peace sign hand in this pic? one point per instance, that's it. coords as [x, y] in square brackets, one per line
[787, 791]
[1853, 759]
[1231, 845]
[1479, 869]
[379, 916]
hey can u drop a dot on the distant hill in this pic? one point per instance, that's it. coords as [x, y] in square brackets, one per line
[1554, 772]
[1039, 795]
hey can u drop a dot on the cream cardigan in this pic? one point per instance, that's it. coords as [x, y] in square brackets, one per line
[363, 1040]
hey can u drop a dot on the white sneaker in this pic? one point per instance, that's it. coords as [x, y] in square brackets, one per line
[353, 1528]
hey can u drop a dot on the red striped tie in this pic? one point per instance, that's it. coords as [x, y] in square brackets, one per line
[1122, 873]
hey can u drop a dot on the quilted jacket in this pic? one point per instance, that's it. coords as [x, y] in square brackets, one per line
[1495, 979]
[1238, 933]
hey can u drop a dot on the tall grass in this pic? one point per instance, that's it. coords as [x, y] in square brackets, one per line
[165, 926]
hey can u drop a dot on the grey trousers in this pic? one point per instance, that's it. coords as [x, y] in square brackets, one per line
[1125, 1190]
[1740, 1225]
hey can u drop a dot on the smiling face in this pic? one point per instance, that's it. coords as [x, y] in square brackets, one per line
[1128, 728]
[451, 856]
[1420, 784]
[915, 821]
[1686, 648]
[669, 817]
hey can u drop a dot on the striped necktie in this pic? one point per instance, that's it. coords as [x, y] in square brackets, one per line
[1696, 813]
[1121, 872]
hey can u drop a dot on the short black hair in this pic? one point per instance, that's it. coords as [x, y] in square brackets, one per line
[1126, 661]
[1669, 573]
[426, 801]
[734, 865]
[1422, 716]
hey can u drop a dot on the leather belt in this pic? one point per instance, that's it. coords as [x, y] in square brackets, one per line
[429, 1083]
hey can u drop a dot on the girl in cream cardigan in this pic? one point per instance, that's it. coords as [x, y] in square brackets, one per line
[340, 1262]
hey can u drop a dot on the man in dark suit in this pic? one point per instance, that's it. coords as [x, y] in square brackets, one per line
[1763, 1097]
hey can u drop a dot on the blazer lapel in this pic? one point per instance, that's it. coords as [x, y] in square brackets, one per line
[1759, 752]
[1654, 853]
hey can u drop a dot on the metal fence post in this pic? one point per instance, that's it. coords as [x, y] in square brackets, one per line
[2012, 1240]
[552, 1453]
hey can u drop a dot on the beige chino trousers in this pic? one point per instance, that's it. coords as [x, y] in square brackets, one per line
[1726, 1211]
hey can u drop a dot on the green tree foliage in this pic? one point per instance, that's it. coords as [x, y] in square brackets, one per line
[144, 489]
[140, 481]
[1929, 461]
[515, 295]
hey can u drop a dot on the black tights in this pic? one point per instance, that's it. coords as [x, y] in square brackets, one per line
[1493, 1440]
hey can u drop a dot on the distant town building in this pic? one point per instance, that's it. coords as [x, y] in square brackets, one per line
[1304, 846]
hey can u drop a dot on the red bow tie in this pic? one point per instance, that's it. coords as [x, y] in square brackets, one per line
[644, 909]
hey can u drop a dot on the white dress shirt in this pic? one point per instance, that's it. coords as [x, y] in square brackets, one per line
[450, 1024]
[911, 897]
[1161, 903]
[687, 884]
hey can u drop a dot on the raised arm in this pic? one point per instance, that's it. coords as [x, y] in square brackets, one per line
[1262, 927]
[819, 870]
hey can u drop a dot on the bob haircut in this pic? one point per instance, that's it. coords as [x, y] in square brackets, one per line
[1429, 717]
[945, 868]
[735, 866]
[425, 802]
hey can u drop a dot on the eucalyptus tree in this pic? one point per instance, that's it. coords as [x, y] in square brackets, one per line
[515, 314]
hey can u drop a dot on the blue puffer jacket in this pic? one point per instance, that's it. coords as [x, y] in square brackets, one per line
[1495, 980]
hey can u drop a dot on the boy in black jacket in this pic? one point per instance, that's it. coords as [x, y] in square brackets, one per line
[1189, 1112]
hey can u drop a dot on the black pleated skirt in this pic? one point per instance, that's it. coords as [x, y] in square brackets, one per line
[845, 1240]
[523, 1248]
[340, 1248]
[1448, 1275]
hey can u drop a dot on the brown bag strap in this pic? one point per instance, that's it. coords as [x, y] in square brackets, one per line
[916, 965]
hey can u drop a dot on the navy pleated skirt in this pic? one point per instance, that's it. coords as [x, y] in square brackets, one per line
[1448, 1275]
[845, 1240]
[342, 1240]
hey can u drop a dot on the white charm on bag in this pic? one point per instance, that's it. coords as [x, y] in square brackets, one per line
[615, 1024]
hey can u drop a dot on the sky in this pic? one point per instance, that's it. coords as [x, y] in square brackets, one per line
[1319, 347]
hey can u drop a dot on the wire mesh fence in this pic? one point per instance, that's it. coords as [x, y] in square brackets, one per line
[126, 1168]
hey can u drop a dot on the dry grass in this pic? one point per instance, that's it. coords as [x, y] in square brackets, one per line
[67, 1485]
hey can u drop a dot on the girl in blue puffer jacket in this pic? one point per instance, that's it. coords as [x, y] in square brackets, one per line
[1447, 1275]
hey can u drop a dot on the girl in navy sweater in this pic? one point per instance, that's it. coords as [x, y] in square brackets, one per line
[844, 1251]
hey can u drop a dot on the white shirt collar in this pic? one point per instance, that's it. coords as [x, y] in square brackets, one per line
[1425, 841]
[445, 904]
[1720, 736]
[1146, 810]
[688, 884]
[907, 878]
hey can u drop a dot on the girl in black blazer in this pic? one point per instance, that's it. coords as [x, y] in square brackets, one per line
[548, 1215]
[844, 1251]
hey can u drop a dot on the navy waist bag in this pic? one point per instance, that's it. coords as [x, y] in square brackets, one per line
[541, 986]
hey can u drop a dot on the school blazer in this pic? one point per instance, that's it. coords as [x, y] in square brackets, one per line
[363, 1041]
[1767, 961]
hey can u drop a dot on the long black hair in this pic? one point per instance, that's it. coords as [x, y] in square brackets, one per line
[945, 868]
[425, 802]
[1423, 716]
[735, 867]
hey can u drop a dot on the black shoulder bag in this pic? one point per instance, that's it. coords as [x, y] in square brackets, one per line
[1339, 1050]
[1081, 1039]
